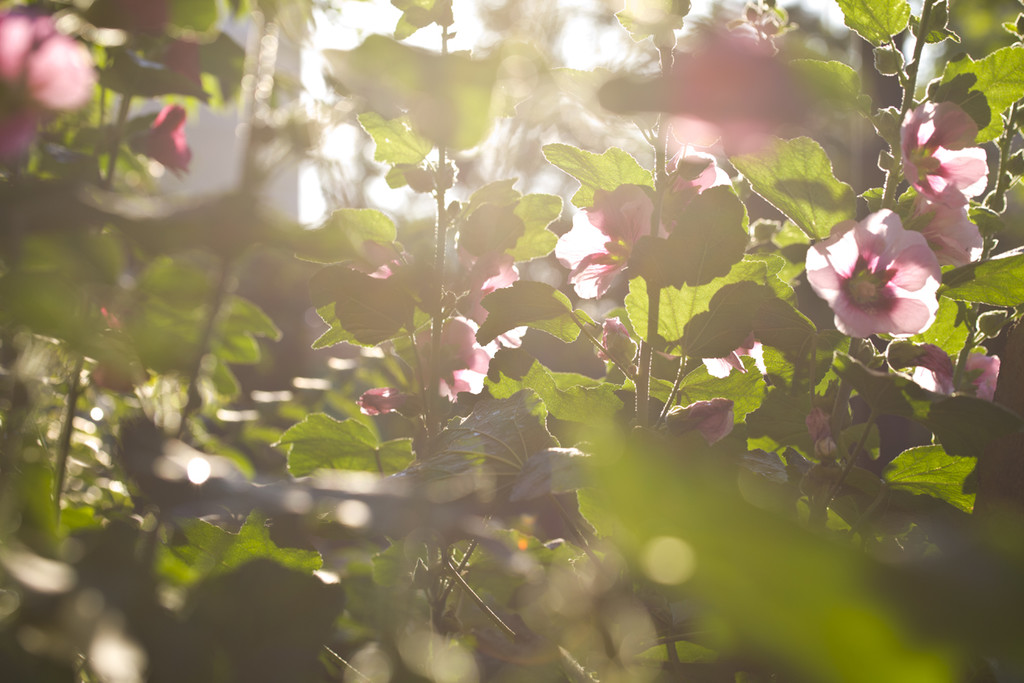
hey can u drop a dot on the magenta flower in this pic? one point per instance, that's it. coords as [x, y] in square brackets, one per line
[877, 277]
[166, 141]
[714, 419]
[598, 246]
[40, 70]
[936, 158]
[721, 367]
[382, 400]
[952, 235]
[982, 373]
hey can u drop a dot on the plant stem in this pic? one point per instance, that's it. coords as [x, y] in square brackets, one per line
[643, 384]
[115, 140]
[851, 457]
[996, 199]
[892, 176]
[961, 358]
[479, 601]
[344, 663]
[66, 427]
[626, 368]
[216, 303]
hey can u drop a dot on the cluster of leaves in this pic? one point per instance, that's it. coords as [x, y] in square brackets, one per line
[443, 502]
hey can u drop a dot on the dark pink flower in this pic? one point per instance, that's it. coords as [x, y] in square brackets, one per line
[877, 277]
[40, 70]
[166, 139]
[602, 238]
[714, 419]
[382, 400]
[721, 367]
[936, 158]
[615, 337]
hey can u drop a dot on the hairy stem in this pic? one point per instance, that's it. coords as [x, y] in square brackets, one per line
[66, 427]
[996, 199]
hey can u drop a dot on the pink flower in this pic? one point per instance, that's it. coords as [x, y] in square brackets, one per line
[936, 158]
[382, 400]
[952, 235]
[982, 373]
[721, 367]
[492, 271]
[166, 139]
[40, 70]
[615, 337]
[464, 362]
[602, 238]
[692, 173]
[933, 370]
[714, 419]
[877, 277]
[734, 87]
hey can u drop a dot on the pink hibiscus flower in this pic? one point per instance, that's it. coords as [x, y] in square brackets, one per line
[952, 235]
[166, 141]
[982, 373]
[598, 246]
[721, 367]
[714, 419]
[40, 70]
[937, 160]
[877, 277]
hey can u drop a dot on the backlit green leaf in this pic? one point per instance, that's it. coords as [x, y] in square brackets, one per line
[876, 20]
[321, 442]
[929, 471]
[998, 281]
[1000, 78]
[796, 177]
[396, 142]
[343, 236]
[604, 171]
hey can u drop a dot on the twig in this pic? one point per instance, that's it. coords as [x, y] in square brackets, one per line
[479, 601]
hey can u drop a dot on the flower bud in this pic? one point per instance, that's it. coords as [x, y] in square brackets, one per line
[713, 419]
[616, 339]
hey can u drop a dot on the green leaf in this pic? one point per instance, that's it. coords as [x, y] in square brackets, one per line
[491, 229]
[836, 84]
[131, 74]
[876, 20]
[948, 332]
[796, 177]
[417, 14]
[194, 15]
[781, 421]
[504, 433]
[321, 442]
[964, 425]
[552, 471]
[998, 281]
[709, 237]
[396, 142]
[746, 389]
[533, 304]
[604, 171]
[658, 18]
[447, 96]
[929, 471]
[537, 212]
[570, 397]
[241, 323]
[1000, 78]
[358, 307]
[210, 550]
[343, 236]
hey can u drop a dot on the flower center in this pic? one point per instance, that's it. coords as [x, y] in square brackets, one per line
[866, 288]
[924, 161]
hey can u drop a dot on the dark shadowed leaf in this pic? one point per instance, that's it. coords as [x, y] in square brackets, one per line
[365, 309]
[551, 471]
[342, 237]
[533, 304]
[131, 74]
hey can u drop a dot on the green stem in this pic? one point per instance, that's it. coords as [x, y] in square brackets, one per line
[115, 140]
[892, 176]
[432, 403]
[643, 384]
[680, 373]
[479, 601]
[217, 298]
[996, 199]
[961, 359]
[66, 428]
[851, 457]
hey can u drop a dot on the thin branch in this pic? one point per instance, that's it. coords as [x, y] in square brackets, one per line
[66, 428]
[479, 601]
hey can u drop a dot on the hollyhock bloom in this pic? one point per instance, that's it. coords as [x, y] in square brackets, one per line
[382, 400]
[615, 337]
[693, 172]
[933, 369]
[40, 70]
[464, 362]
[982, 372]
[714, 419]
[952, 235]
[602, 237]
[877, 277]
[166, 141]
[721, 367]
[733, 87]
[490, 272]
[936, 158]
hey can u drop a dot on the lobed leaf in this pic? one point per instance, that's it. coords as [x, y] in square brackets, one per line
[877, 21]
[604, 171]
[930, 471]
